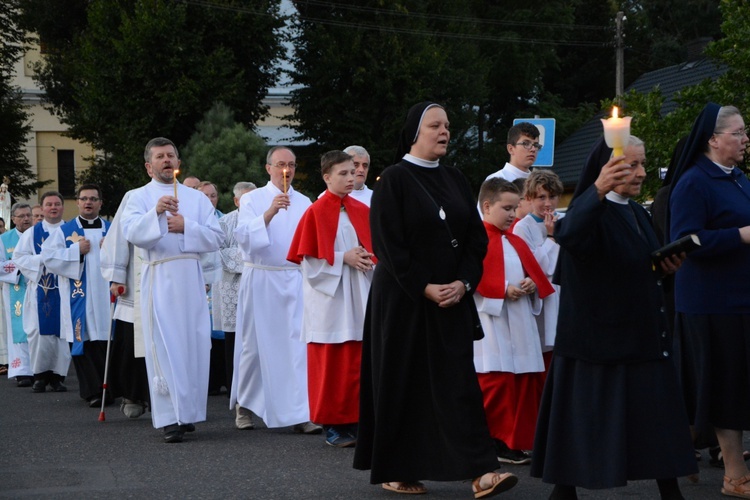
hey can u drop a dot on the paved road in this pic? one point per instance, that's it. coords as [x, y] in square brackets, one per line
[57, 448]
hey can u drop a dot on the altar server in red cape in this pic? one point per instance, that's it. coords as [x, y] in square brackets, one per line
[333, 246]
[508, 360]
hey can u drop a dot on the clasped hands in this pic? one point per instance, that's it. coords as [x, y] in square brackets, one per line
[359, 258]
[526, 287]
[175, 222]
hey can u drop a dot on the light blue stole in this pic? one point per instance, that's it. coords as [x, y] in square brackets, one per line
[17, 290]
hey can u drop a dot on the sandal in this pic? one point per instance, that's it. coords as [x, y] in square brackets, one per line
[739, 487]
[498, 483]
[405, 487]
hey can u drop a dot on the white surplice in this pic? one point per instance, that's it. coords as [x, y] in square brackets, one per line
[232, 265]
[66, 263]
[174, 311]
[270, 369]
[511, 338]
[19, 364]
[546, 251]
[46, 352]
[335, 296]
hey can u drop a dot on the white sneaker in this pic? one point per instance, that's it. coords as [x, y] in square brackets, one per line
[132, 409]
[243, 420]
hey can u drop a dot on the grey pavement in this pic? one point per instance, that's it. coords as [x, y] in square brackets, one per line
[56, 448]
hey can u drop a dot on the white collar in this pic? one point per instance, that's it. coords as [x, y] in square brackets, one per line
[617, 198]
[421, 162]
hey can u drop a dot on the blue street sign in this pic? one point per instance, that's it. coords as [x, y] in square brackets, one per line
[546, 126]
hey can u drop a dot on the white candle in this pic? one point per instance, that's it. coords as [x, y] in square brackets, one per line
[616, 131]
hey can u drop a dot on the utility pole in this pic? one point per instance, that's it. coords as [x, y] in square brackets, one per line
[619, 53]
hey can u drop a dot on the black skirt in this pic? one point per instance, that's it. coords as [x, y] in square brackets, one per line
[601, 425]
[714, 356]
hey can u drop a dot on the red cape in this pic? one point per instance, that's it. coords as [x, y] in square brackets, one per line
[492, 284]
[316, 231]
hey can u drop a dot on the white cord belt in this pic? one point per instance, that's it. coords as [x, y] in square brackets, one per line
[271, 268]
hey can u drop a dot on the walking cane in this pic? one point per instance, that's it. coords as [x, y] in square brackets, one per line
[113, 300]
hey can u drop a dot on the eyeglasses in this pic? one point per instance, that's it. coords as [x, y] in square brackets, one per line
[528, 145]
[93, 199]
[739, 134]
[22, 216]
[283, 164]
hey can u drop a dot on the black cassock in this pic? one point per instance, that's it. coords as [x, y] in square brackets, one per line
[421, 413]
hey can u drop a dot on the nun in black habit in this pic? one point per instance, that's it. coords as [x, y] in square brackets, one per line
[611, 409]
[421, 413]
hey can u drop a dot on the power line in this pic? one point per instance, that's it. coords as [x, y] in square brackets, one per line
[464, 19]
[419, 32]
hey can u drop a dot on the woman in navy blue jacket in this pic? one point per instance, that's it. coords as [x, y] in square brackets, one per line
[711, 198]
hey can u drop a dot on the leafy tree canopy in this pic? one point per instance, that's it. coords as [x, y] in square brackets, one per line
[224, 152]
[14, 117]
[124, 71]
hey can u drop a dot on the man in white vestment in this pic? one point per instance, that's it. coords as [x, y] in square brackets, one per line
[72, 253]
[361, 159]
[48, 351]
[270, 374]
[14, 291]
[171, 232]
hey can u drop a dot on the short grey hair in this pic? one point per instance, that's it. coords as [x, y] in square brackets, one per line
[242, 187]
[357, 151]
[18, 206]
[635, 141]
[725, 112]
[157, 142]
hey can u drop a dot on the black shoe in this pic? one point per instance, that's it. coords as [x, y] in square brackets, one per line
[39, 386]
[24, 381]
[95, 402]
[509, 456]
[58, 386]
[187, 427]
[173, 434]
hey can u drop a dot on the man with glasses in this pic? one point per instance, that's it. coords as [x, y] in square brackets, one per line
[271, 364]
[523, 147]
[72, 253]
[14, 290]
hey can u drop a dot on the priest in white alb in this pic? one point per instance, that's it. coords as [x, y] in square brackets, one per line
[171, 226]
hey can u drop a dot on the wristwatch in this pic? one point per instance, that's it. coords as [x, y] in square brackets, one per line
[467, 285]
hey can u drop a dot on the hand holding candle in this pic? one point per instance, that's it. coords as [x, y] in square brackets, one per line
[616, 132]
[176, 171]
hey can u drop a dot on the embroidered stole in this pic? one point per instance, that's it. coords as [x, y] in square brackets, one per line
[78, 287]
[17, 291]
[47, 294]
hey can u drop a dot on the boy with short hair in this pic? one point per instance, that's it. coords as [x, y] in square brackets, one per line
[333, 245]
[543, 190]
[508, 360]
[523, 147]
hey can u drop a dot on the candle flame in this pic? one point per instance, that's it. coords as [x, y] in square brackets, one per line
[614, 112]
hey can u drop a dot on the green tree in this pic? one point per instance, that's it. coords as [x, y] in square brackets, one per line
[130, 70]
[224, 152]
[13, 115]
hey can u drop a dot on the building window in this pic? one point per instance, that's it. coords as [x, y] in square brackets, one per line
[66, 172]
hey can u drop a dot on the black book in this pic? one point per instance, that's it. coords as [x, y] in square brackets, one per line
[685, 244]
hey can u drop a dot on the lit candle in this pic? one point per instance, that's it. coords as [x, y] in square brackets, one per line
[616, 132]
[285, 172]
[176, 171]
